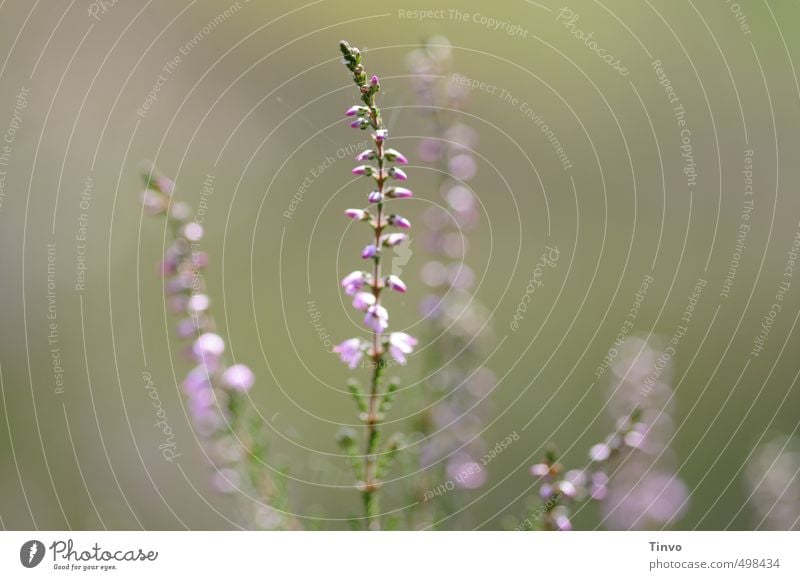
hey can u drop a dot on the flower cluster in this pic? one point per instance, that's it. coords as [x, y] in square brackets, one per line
[458, 325]
[215, 391]
[381, 166]
[631, 471]
[772, 477]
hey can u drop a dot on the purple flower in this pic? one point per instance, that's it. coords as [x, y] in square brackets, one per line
[374, 81]
[193, 231]
[208, 346]
[399, 192]
[198, 303]
[375, 197]
[396, 283]
[363, 300]
[381, 135]
[354, 110]
[238, 377]
[398, 174]
[350, 351]
[540, 470]
[396, 156]
[356, 214]
[365, 155]
[369, 252]
[399, 221]
[363, 170]
[393, 239]
[377, 318]
[358, 123]
[353, 282]
[401, 344]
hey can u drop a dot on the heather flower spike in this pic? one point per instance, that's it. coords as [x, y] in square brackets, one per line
[366, 288]
[216, 393]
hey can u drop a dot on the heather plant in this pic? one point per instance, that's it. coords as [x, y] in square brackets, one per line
[773, 480]
[631, 473]
[367, 289]
[231, 432]
[458, 327]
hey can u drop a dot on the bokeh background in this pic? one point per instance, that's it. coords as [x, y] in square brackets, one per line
[255, 105]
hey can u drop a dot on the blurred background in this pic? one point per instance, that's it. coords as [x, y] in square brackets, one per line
[642, 140]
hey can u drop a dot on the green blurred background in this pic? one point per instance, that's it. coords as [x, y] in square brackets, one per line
[256, 102]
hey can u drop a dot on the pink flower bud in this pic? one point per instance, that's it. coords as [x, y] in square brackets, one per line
[374, 81]
[398, 174]
[238, 378]
[365, 155]
[353, 111]
[395, 283]
[399, 193]
[393, 239]
[375, 197]
[363, 300]
[363, 170]
[399, 221]
[356, 214]
[381, 135]
[369, 252]
[396, 156]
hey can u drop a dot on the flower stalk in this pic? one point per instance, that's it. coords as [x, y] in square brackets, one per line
[367, 287]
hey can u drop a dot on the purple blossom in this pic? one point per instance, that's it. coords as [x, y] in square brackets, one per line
[401, 344]
[395, 156]
[394, 239]
[353, 282]
[350, 351]
[369, 251]
[208, 346]
[396, 283]
[377, 318]
[363, 300]
[356, 214]
[366, 155]
[363, 170]
[399, 193]
[239, 377]
[398, 174]
[354, 110]
[399, 221]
